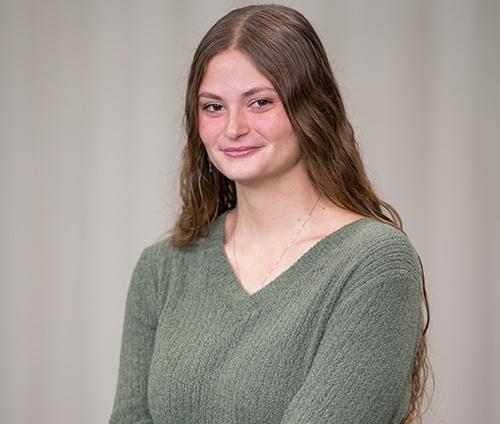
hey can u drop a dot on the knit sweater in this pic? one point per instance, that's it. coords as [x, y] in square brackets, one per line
[330, 340]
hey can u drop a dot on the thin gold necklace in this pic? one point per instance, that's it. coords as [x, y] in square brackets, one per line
[290, 243]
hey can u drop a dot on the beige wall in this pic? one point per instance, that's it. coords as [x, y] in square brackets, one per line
[90, 108]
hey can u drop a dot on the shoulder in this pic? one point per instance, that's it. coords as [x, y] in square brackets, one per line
[158, 254]
[152, 268]
[162, 266]
[163, 257]
[375, 257]
[372, 241]
[367, 239]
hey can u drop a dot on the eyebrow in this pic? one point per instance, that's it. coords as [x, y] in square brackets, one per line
[247, 93]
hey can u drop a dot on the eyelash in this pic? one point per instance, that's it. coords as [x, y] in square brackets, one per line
[212, 105]
[262, 100]
[206, 107]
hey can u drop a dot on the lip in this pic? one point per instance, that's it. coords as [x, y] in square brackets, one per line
[241, 150]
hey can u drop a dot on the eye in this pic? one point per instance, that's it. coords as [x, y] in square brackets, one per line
[260, 103]
[213, 107]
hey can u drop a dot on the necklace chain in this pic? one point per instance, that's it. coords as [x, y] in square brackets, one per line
[290, 243]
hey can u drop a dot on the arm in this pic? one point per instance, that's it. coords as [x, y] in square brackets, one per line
[362, 367]
[141, 319]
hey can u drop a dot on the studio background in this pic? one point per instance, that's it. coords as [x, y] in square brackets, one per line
[91, 99]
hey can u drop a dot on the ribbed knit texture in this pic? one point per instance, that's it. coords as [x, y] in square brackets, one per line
[331, 340]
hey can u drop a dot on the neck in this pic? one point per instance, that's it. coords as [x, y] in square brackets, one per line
[272, 208]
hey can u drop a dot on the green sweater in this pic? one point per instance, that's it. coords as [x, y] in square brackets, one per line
[330, 340]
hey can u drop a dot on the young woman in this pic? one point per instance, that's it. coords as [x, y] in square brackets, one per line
[287, 292]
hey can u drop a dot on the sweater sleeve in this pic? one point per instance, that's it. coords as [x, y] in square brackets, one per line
[139, 328]
[361, 372]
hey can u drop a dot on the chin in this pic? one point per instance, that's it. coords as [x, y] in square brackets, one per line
[239, 173]
[243, 178]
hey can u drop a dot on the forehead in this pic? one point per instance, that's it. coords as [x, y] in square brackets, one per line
[231, 70]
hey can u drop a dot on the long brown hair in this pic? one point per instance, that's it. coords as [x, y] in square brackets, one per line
[285, 48]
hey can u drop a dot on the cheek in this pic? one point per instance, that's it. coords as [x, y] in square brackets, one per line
[277, 127]
[209, 130]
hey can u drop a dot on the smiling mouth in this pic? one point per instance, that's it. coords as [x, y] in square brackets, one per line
[241, 151]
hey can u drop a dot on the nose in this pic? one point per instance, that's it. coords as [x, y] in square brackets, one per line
[237, 124]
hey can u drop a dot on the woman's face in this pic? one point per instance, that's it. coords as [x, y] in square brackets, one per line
[242, 121]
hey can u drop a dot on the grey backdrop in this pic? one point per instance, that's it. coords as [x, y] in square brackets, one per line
[91, 97]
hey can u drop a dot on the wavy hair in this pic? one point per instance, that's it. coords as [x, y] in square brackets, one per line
[285, 48]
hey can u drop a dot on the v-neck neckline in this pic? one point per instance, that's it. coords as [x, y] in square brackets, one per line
[230, 285]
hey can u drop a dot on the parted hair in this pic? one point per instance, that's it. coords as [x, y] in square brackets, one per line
[285, 48]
